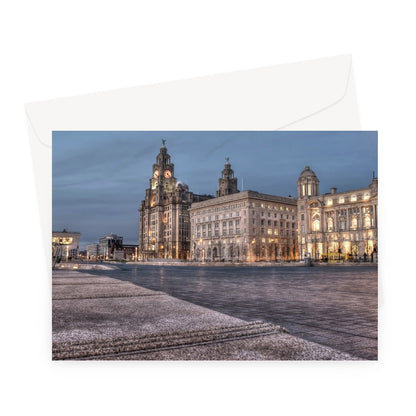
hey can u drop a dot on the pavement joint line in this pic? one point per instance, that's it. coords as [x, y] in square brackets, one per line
[111, 296]
[86, 283]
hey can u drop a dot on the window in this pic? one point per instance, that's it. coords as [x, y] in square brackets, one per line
[316, 222]
[330, 224]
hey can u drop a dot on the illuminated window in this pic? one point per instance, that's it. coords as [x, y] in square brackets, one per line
[62, 240]
[367, 221]
[341, 200]
[329, 202]
[366, 195]
[330, 224]
[353, 198]
[354, 223]
[316, 222]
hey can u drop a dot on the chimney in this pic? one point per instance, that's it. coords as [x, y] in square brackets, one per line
[333, 191]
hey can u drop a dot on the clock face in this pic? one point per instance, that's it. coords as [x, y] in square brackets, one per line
[168, 174]
[156, 173]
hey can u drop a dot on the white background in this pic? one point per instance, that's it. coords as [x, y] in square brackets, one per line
[53, 49]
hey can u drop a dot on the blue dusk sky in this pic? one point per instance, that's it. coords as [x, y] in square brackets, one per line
[100, 177]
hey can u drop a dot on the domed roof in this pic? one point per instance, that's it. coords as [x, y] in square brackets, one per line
[307, 172]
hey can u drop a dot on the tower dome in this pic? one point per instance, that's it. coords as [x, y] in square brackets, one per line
[307, 172]
[308, 183]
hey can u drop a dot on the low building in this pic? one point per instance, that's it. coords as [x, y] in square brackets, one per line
[93, 251]
[337, 225]
[130, 252]
[65, 244]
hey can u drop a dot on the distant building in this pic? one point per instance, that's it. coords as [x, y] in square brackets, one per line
[130, 252]
[118, 255]
[337, 224]
[66, 243]
[164, 213]
[93, 251]
[108, 244]
[243, 226]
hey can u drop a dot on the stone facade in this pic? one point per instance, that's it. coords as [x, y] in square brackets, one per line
[341, 225]
[164, 226]
[249, 226]
[244, 227]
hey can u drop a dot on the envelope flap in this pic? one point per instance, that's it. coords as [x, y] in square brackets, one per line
[259, 99]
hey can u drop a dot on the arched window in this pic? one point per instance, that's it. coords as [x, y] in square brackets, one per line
[367, 221]
[316, 222]
[330, 224]
[354, 223]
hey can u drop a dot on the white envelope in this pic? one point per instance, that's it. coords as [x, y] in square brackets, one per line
[310, 95]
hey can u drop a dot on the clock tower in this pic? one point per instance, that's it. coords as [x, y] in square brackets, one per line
[164, 227]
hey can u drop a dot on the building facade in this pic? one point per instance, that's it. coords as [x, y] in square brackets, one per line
[65, 244]
[249, 226]
[164, 226]
[108, 245]
[243, 226]
[340, 225]
[93, 251]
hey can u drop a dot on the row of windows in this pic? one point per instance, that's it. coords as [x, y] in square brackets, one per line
[243, 204]
[218, 209]
[352, 198]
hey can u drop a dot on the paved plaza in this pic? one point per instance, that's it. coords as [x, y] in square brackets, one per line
[334, 306]
[97, 317]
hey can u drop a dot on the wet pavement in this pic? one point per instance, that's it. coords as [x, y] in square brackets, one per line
[334, 306]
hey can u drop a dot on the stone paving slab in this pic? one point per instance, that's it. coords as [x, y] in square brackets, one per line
[95, 291]
[105, 321]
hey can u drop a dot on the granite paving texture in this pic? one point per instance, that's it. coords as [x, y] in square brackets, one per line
[96, 317]
[335, 306]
